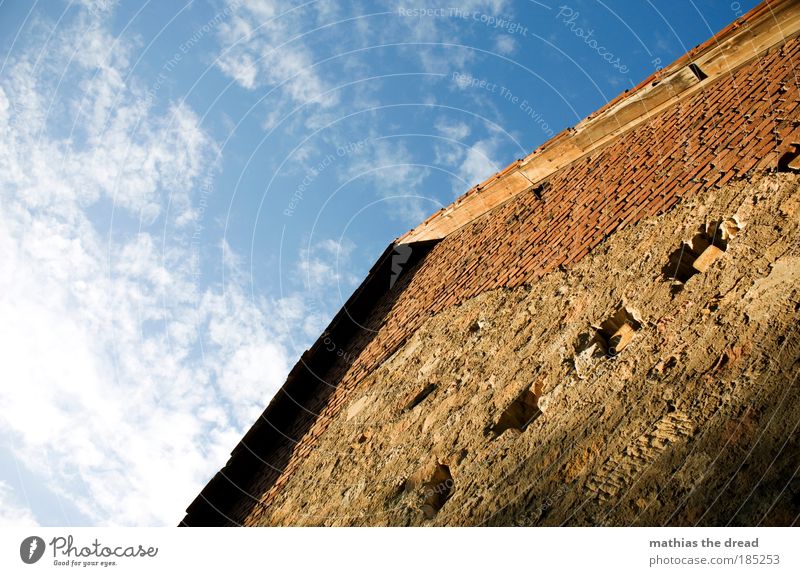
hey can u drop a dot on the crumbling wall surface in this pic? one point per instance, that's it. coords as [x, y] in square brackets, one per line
[736, 128]
[607, 393]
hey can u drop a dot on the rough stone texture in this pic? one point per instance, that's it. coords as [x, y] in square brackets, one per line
[693, 422]
[691, 155]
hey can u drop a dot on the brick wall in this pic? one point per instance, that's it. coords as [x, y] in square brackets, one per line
[736, 126]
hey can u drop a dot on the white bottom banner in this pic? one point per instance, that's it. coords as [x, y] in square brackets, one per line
[353, 551]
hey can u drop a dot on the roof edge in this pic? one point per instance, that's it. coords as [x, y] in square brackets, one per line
[213, 506]
[767, 25]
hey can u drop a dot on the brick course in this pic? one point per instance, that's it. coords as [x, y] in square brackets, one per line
[734, 127]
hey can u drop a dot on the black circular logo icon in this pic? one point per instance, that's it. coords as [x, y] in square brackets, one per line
[31, 550]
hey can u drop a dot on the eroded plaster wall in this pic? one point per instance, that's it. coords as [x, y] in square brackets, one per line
[509, 409]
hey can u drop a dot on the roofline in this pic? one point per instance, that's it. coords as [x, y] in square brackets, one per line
[769, 24]
[720, 55]
[213, 506]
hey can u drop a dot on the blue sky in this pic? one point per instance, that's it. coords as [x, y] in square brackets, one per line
[189, 192]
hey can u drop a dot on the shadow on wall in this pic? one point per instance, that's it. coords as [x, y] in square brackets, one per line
[754, 453]
[259, 459]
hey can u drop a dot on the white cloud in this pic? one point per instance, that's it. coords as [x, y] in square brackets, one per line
[127, 384]
[478, 163]
[470, 164]
[449, 151]
[241, 68]
[98, 6]
[268, 44]
[454, 130]
[397, 177]
[505, 45]
[124, 410]
[11, 513]
[492, 7]
[260, 49]
[250, 363]
[325, 264]
[128, 381]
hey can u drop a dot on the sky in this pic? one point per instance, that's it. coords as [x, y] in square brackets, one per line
[189, 191]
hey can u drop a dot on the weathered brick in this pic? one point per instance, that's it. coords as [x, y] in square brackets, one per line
[645, 172]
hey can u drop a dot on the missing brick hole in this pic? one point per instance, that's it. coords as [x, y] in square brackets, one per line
[616, 332]
[520, 413]
[790, 160]
[437, 487]
[540, 189]
[698, 72]
[437, 491]
[417, 399]
[696, 256]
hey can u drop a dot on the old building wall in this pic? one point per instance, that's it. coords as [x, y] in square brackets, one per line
[735, 129]
[694, 420]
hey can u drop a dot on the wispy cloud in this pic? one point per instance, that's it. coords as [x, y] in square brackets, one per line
[127, 382]
[478, 163]
[395, 174]
[469, 163]
[130, 373]
[13, 513]
[455, 130]
[263, 45]
[505, 45]
[326, 265]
